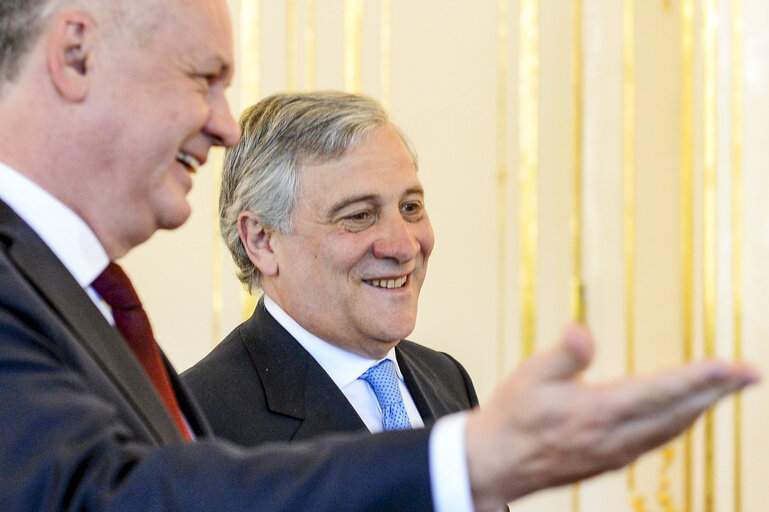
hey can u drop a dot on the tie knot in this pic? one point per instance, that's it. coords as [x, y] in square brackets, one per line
[115, 288]
[384, 380]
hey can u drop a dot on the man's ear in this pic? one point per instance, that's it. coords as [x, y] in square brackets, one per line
[70, 54]
[258, 243]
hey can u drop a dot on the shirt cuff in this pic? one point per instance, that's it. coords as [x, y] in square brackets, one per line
[449, 480]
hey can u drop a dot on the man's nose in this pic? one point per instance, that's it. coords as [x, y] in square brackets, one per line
[221, 125]
[396, 240]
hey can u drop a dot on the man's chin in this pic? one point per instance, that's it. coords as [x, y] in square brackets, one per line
[392, 334]
[176, 217]
[377, 349]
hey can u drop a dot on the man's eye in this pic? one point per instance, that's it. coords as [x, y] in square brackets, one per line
[358, 221]
[413, 210]
[206, 80]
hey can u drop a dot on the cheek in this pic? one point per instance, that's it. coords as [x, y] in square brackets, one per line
[321, 262]
[426, 239]
[344, 254]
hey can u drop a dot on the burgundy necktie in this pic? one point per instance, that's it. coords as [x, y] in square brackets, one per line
[132, 322]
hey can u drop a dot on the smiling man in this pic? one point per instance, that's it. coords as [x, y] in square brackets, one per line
[106, 111]
[322, 209]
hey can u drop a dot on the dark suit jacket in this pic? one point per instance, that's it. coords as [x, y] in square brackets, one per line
[261, 385]
[83, 429]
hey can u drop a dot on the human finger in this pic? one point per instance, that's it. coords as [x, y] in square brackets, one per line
[698, 384]
[564, 361]
[655, 422]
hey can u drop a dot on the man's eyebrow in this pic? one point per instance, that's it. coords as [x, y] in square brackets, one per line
[336, 207]
[217, 66]
[225, 69]
[348, 201]
[415, 190]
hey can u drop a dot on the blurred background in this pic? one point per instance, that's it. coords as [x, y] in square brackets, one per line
[600, 160]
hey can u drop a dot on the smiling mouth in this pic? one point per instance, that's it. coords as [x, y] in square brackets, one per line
[386, 283]
[188, 161]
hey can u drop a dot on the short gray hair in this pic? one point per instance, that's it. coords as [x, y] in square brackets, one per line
[262, 174]
[20, 24]
[22, 21]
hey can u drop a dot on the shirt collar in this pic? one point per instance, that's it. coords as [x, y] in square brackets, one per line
[65, 233]
[342, 366]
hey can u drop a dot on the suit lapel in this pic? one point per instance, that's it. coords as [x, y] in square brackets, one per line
[422, 383]
[295, 385]
[193, 414]
[61, 292]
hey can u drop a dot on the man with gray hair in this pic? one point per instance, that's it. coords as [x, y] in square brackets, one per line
[322, 209]
[107, 108]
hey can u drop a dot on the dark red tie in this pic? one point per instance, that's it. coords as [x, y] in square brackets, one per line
[131, 320]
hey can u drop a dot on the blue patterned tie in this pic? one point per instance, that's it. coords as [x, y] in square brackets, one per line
[383, 379]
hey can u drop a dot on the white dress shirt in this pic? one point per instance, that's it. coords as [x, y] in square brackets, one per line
[448, 465]
[344, 368]
[62, 230]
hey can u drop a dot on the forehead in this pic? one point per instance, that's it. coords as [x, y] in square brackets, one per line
[379, 166]
[200, 29]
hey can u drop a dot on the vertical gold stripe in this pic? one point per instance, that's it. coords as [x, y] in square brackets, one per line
[709, 227]
[502, 171]
[353, 27]
[687, 213]
[292, 55]
[738, 26]
[250, 55]
[576, 296]
[528, 129]
[385, 51]
[628, 171]
[217, 275]
[309, 45]
[628, 168]
[247, 304]
[250, 29]
[575, 500]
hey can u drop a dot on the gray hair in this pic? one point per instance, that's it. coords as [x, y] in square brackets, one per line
[21, 22]
[262, 174]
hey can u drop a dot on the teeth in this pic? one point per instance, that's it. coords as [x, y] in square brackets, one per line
[388, 283]
[189, 161]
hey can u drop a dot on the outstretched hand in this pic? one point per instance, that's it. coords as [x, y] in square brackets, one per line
[545, 427]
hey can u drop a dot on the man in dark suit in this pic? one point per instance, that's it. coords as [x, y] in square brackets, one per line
[291, 397]
[106, 108]
[333, 227]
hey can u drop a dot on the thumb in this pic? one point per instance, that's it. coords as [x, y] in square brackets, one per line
[564, 361]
